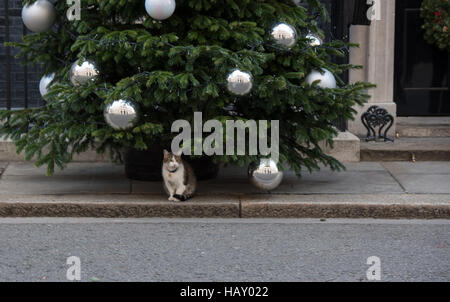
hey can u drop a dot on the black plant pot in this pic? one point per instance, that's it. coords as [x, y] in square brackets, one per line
[146, 165]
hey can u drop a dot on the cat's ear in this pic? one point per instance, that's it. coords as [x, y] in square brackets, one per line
[178, 153]
[166, 153]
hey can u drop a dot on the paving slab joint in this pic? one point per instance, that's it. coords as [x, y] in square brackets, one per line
[240, 206]
[394, 177]
[3, 169]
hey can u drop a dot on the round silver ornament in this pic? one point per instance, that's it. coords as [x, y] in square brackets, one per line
[44, 83]
[160, 9]
[239, 82]
[265, 174]
[327, 79]
[121, 114]
[84, 72]
[39, 16]
[314, 40]
[284, 35]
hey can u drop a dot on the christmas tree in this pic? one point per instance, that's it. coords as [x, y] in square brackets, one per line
[170, 65]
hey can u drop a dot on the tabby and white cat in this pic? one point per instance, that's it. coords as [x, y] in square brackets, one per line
[180, 182]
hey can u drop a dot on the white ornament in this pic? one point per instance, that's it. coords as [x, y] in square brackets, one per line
[160, 9]
[84, 72]
[327, 79]
[284, 35]
[239, 82]
[39, 16]
[44, 84]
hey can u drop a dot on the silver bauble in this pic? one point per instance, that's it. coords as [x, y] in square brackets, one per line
[121, 114]
[239, 82]
[160, 9]
[265, 174]
[85, 72]
[314, 40]
[327, 79]
[284, 35]
[39, 16]
[44, 83]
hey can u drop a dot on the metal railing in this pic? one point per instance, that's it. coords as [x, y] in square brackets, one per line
[7, 56]
[15, 78]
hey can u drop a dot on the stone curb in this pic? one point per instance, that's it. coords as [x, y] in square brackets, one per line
[121, 210]
[378, 211]
[226, 208]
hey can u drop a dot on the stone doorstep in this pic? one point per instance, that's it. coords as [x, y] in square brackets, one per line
[423, 131]
[346, 149]
[423, 126]
[394, 206]
[424, 121]
[407, 148]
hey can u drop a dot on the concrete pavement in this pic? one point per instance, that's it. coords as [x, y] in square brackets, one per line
[224, 249]
[366, 189]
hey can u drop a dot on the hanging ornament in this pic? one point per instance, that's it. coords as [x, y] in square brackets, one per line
[297, 109]
[239, 82]
[314, 40]
[327, 79]
[284, 35]
[265, 174]
[160, 9]
[140, 20]
[39, 16]
[44, 83]
[84, 72]
[121, 114]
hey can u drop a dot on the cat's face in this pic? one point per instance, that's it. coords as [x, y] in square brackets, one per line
[171, 161]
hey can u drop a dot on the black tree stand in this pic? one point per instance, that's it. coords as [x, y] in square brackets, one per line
[146, 165]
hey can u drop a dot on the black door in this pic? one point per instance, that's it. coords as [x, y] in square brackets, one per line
[421, 69]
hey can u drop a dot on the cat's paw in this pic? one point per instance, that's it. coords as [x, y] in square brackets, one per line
[180, 197]
[171, 198]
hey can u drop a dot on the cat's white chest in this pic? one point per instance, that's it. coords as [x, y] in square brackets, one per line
[174, 178]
